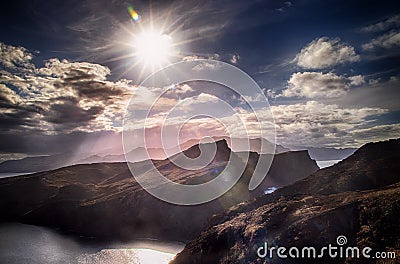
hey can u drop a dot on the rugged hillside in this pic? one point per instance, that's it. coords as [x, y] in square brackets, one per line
[358, 198]
[104, 201]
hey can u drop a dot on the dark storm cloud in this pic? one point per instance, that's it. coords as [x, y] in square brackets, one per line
[13, 114]
[89, 88]
[15, 120]
[60, 97]
[87, 80]
[68, 114]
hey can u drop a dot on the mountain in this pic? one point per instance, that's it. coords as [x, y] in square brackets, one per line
[258, 145]
[358, 197]
[104, 201]
[54, 161]
[138, 154]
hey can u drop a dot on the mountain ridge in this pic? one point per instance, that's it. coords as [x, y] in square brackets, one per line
[339, 200]
[54, 161]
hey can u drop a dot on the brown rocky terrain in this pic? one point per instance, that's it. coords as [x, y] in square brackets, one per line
[104, 201]
[358, 197]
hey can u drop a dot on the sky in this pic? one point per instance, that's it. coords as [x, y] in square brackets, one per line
[68, 69]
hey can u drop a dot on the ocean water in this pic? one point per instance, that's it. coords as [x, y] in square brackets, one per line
[270, 190]
[21, 243]
[326, 163]
[11, 174]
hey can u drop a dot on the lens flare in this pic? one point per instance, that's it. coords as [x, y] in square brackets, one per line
[135, 16]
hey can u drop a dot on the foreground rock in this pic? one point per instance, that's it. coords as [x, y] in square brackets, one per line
[105, 202]
[358, 198]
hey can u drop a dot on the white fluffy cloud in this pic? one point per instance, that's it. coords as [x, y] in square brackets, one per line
[320, 85]
[323, 53]
[315, 85]
[387, 41]
[12, 57]
[356, 80]
[180, 89]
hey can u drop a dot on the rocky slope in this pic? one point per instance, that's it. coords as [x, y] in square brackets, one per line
[105, 202]
[358, 198]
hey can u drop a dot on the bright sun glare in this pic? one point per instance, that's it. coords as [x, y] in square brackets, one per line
[153, 48]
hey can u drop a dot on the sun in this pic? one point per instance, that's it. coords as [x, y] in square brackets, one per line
[153, 48]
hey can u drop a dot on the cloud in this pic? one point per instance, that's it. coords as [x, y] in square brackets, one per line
[386, 41]
[377, 133]
[87, 80]
[307, 124]
[206, 65]
[68, 114]
[288, 3]
[389, 39]
[235, 58]
[8, 97]
[194, 57]
[356, 80]
[180, 90]
[375, 93]
[285, 7]
[55, 107]
[58, 107]
[389, 23]
[13, 57]
[323, 53]
[317, 124]
[319, 85]
[60, 97]
[315, 85]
